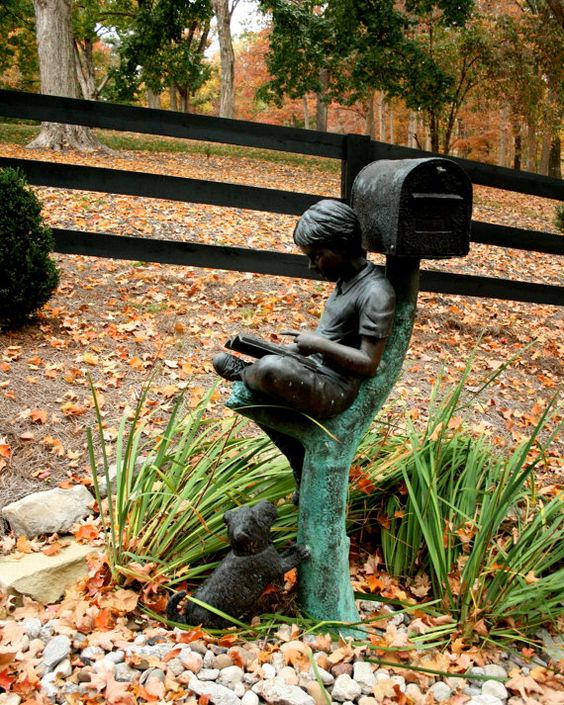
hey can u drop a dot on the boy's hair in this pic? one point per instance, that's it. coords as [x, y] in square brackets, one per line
[332, 224]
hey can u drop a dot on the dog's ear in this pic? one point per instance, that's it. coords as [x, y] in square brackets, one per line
[267, 510]
[228, 516]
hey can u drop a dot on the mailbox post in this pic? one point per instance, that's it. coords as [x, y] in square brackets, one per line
[409, 210]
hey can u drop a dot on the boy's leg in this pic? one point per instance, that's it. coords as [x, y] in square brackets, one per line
[314, 392]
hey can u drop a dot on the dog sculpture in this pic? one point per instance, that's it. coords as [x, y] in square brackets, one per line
[236, 584]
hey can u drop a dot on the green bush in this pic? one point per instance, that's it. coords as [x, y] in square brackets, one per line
[28, 276]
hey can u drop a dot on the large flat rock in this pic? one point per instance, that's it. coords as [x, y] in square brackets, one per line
[44, 578]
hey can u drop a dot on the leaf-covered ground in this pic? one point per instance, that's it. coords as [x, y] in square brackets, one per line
[118, 321]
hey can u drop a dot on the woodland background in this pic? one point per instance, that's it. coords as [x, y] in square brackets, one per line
[472, 78]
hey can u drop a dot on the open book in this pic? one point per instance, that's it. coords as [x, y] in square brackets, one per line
[257, 347]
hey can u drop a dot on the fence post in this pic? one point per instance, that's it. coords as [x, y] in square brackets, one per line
[358, 153]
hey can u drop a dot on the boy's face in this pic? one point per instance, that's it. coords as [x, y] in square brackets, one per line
[330, 264]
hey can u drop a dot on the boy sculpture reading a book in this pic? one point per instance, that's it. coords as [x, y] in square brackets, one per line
[320, 373]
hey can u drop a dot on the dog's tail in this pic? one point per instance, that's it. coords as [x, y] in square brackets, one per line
[172, 607]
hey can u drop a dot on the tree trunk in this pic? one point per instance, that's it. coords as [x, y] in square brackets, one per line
[321, 107]
[153, 99]
[412, 129]
[517, 149]
[554, 161]
[57, 71]
[84, 64]
[391, 116]
[227, 58]
[172, 94]
[502, 158]
[434, 132]
[306, 113]
[370, 124]
[382, 118]
[531, 145]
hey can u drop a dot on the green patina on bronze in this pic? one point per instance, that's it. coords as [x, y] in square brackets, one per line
[325, 591]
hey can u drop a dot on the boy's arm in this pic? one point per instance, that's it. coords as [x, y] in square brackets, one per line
[362, 362]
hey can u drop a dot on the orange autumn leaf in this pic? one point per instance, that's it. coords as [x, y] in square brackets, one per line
[374, 583]
[173, 653]
[104, 620]
[190, 636]
[23, 545]
[52, 549]
[5, 450]
[228, 640]
[86, 532]
[6, 680]
[38, 415]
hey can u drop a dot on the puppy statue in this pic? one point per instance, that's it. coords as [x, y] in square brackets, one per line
[238, 581]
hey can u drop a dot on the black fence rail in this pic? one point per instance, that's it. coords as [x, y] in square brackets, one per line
[354, 151]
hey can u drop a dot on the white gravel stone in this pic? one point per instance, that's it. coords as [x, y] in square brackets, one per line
[218, 694]
[115, 656]
[495, 671]
[91, 653]
[278, 692]
[363, 674]
[485, 700]
[208, 674]
[250, 698]
[441, 691]
[367, 700]
[289, 675]
[268, 671]
[48, 686]
[176, 667]
[63, 669]
[399, 681]
[381, 675]
[57, 649]
[496, 689]
[230, 676]
[345, 688]
[412, 690]
[124, 673]
[10, 699]
[239, 689]
[32, 627]
[209, 659]
[278, 661]
[325, 677]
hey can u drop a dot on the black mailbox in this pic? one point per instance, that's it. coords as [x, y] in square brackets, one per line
[414, 207]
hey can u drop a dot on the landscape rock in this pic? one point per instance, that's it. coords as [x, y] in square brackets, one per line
[494, 671]
[44, 578]
[485, 700]
[250, 698]
[49, 512]
[218, 694]
[277, 692]
[440, 691]
[57, 649]
[230, 676]
[345, 688]
[363, 674]
[496, 689]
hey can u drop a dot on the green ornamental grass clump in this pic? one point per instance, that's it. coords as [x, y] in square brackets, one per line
[28, 275]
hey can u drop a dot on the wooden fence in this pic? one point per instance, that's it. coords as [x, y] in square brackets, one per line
[354, 151]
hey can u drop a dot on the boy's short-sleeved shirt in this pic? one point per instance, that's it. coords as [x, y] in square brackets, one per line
[361, 306]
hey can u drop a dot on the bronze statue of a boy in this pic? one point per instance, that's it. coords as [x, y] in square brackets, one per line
[349, 341]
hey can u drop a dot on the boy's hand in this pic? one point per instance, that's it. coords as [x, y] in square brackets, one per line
[309, 342]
